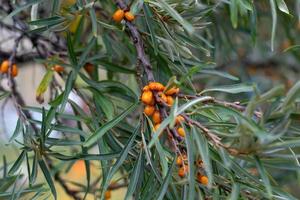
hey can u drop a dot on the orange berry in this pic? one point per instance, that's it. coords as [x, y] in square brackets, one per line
[163, 96]
[204, 180]
[156, 127]
[149, 110]
[182, 171]
[118, 15]
[156, 86]
[58, 68]
[14, 70]
[179, 161]
[181, 132]
[129, 16]
[156, 117]
[146, 88]
[179, 119]
[147, 97]
[170, 100]
[4, 66]
[107, 195]
[89, 68]
[172, 91]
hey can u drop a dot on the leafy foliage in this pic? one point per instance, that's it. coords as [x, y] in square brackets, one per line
[238, 134]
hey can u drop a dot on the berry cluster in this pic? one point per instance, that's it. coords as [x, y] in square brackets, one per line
[166, 97]
[120, 14]
[5, 67]
[183, 169]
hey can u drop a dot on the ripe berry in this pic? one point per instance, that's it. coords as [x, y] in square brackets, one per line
[170, 100]
[204, 180]
[107, 195]
[163, 96]
[4, 66]
[118, 15]
[149, 110]
[14, 70]
[156, 86]
[179, 161]
[147, 97]
[58, 68]
[129, 16]
[156, 117]
[156, 127]
[89, 68]
[146, 88]
[182, 171]
[179, 119]
[172, 91]
[181, 132]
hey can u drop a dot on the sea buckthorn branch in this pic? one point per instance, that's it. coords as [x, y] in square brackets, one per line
[234, 105]
[138, 42]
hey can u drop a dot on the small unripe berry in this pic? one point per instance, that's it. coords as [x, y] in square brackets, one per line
[156, 117]
[147, 97]
[118, 15]
[4, 66]
[129, 16]
[149, 110]
[181, 132]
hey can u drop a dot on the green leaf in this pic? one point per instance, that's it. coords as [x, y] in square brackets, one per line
[112, 88]
[110, 66]
[164, 187]
[44, 84]
[274, 23]
[47, 21]
[86, 51]
[104, 103]
[109, 125]
[282, 6]
[234, 12]
[292, 48]
[202, 146]
[232, 89]
[186, 25]
[71, 51]
[219, 73]
[48, 177]
[23, 7]
[264, 176]
[121, 159]
[18, 130]
[135, 176]
[68, 87]
[94, 22]
[4, 95]
[293, 93]
[191, 162]
[17, 163]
